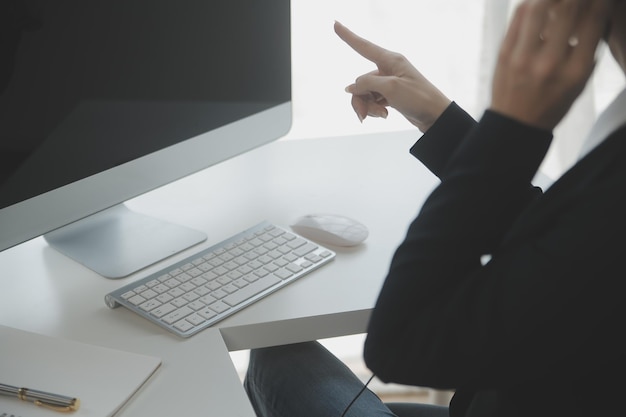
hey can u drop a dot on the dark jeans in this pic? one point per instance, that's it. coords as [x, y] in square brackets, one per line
[306, 380]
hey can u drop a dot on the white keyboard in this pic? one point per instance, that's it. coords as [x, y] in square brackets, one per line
[210, 285]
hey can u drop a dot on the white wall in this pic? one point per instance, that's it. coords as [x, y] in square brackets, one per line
[441, 38]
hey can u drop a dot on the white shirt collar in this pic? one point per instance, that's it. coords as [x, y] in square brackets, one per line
[612, 118]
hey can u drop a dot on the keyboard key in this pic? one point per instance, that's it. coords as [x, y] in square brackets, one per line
[207, 313]
[163, 310]
[219, 307]
[195, 319]
[283, 274]
[184, 325]
[180, 301]
[176, 315]
[128, 294]
[136, 300]
[149, 305]
[303, 250]
[296, 243]
[161, 288]
[165, 298]
[148, 294]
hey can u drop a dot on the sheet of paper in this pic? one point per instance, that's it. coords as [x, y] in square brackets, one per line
[103, 379]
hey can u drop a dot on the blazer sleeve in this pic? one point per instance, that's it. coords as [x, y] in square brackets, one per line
[438, 144]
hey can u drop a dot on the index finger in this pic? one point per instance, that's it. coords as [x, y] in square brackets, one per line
[363, 47]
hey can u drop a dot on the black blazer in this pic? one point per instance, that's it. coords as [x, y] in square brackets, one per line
[514, 298]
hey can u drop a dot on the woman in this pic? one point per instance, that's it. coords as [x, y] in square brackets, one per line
[511, 297]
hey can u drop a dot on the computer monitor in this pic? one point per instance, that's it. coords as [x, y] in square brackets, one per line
[102, 101]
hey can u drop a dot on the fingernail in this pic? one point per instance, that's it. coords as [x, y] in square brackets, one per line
[382, 114]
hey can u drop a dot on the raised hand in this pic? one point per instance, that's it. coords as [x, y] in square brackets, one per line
[547, 56]
[395, 83]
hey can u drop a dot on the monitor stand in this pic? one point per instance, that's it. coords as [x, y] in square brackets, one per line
[117, 242]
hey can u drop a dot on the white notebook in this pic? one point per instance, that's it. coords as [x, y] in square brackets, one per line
[102, 379]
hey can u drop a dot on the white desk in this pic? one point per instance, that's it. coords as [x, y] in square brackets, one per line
[371, 178]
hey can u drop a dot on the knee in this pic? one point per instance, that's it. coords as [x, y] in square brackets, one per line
[273, 356]
[273, 368]
[268, 357]
[279, 360]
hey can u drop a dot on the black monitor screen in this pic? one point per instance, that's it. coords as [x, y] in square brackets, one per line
[86, 85]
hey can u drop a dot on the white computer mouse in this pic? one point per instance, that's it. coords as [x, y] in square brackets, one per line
[331, 229]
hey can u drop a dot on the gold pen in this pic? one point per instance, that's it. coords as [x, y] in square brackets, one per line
[42, 399]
